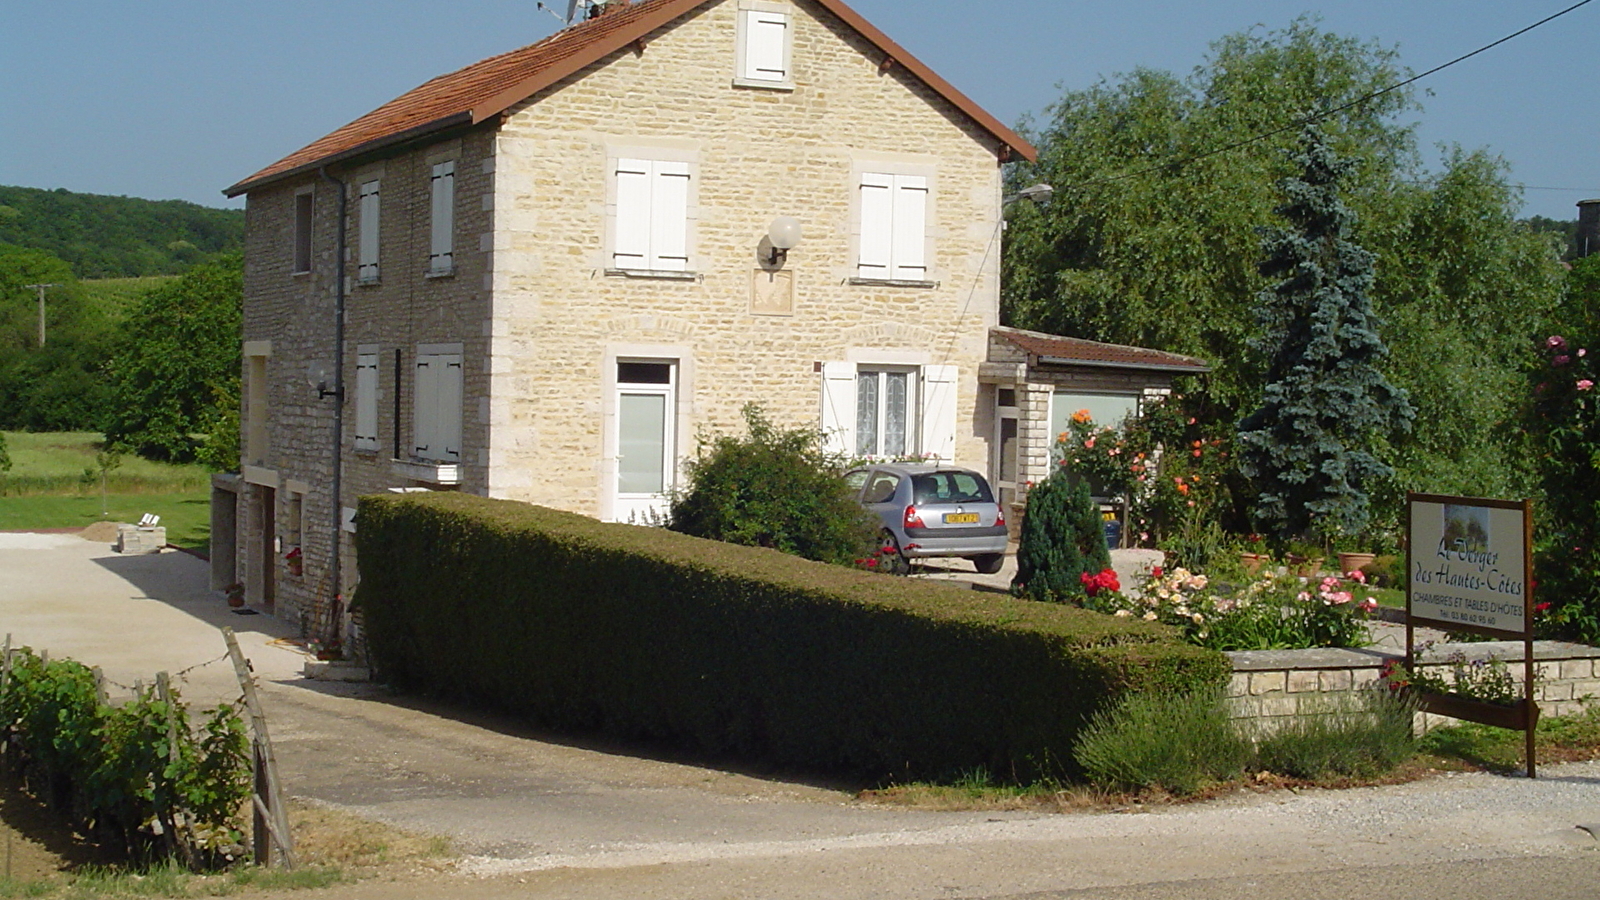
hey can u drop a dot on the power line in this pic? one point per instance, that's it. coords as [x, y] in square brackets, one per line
[1317, 117]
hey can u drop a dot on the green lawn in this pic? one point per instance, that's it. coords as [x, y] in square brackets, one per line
[186, 515]
[63, 463]
[54, 483]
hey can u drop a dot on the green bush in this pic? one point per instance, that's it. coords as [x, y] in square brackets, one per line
[642, 632]
[773, 488]
[1176, 741]
[115, 769]
[1361, 735]
[1062, 537]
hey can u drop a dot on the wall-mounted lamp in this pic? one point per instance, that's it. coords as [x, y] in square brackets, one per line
[1038, 193]
[317, 376]
[783, 235]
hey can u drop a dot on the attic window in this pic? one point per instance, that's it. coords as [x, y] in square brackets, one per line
[765, 50]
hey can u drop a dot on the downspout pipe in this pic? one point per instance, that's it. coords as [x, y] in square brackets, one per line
[336, 620]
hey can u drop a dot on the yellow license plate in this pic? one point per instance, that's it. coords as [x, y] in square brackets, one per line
[961, 518]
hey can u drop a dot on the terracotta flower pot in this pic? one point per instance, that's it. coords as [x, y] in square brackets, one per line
[1354, 562]
[1252, 562]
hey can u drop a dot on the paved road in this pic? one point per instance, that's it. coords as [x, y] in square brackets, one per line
[535, 815]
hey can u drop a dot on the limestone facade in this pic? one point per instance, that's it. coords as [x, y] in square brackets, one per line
[546, 324]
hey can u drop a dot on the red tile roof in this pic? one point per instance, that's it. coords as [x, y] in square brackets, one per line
[1050, 348]
[488, 88]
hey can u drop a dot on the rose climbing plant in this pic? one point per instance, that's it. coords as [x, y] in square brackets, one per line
[1163, 463]
[1566, 428]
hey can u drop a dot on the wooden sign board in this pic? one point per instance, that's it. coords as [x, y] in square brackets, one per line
[1469, 567]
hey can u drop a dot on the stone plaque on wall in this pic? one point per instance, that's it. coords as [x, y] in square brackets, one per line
[771, 293]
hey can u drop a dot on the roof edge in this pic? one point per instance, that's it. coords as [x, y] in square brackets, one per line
[522, 90]
[1199, 369]
[400, 137]
[1171, 362]
[902, 56]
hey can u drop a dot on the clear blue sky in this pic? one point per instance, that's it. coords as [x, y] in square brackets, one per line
[162, 99]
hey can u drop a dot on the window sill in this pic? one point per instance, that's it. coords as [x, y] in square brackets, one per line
[367, 282]
[428, 471]
[891, 282]
[300, 274]
[782, 86]
[441, 273]
[658, 274]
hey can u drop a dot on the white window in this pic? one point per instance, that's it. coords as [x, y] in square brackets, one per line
[304, 206]
[889, 412]
[765, 44]
[367, 269]
[647, 446]
[367, 399]
[651, 222]
[437, 422]
[441, 256]
[894, 212]
[1105, 410]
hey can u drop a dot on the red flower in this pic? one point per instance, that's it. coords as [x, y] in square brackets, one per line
[1155, 572]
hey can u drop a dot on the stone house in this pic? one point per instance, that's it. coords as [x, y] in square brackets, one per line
[542, 276]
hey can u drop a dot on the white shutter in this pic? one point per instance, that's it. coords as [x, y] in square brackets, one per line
[425, 408]
[367, 401]
[669, 217]
[910, 227]
[939, 411]
[631, 242]
[450, 401]
[368, 265]
[766, 37]
[839, 409]
[441, 257]
[877, 225]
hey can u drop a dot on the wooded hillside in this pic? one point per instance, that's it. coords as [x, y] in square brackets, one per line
[111, 237]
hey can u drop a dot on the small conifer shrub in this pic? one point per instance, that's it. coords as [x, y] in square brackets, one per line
[1062, 538]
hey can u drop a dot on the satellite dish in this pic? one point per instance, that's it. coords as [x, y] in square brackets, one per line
[572, 10]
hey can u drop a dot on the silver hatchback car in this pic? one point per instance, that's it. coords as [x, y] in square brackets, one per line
[933, 510]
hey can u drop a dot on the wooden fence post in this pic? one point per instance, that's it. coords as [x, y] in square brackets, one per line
[271, 821]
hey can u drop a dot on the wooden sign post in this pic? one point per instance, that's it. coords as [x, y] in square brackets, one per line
[1469, 567]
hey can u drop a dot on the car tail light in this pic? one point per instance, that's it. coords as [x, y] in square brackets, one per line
[913, 518]
[999, 516]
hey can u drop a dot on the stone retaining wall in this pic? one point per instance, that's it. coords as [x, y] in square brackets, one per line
[1270, 685]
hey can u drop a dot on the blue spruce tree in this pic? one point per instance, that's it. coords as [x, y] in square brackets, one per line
[1309, 447]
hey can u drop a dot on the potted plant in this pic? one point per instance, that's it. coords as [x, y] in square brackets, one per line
[1479, 690]
[1253, 555]
[1304, 558]
[235, 594]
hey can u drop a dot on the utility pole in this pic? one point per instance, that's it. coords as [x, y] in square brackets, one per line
[41, 288]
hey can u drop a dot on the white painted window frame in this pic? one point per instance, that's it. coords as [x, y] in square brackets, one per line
[442, 218]
[438, 400]
[367, 379]
[368, 244]
[893, 209]
[764, 54]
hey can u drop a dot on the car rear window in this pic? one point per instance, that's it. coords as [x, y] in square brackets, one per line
[950, 487]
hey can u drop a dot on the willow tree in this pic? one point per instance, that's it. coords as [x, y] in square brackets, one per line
[1310, 447]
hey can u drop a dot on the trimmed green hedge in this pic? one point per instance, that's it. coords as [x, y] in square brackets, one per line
[643, 632]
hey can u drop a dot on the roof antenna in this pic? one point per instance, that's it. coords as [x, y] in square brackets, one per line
[572, 10]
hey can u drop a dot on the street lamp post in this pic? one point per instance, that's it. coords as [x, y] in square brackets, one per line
[41, 288]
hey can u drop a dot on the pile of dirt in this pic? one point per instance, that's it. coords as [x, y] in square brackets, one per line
[100, 533]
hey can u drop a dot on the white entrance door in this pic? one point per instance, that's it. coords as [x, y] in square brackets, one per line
[646, 439]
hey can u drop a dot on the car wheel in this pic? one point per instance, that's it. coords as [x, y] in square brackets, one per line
[894, 561]
[989, 563]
